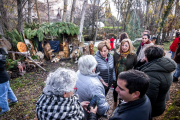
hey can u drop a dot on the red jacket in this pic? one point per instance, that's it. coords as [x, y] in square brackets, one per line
[111, 43]
[174, 44]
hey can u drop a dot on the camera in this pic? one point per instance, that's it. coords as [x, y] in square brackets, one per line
[3, 51]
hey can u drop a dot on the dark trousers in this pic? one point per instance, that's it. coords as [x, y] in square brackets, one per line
[106, 90]
[115, 94]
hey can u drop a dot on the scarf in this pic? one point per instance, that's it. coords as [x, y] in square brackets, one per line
[121, 64]
[148, 42]
[56, 107]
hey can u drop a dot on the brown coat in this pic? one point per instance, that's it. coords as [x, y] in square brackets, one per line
[177, 54]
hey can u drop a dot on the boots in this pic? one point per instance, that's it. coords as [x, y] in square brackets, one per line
[175, 79]
[114, 105]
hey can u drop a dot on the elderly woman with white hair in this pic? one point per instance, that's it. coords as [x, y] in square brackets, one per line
[89, 85]
[58, 100]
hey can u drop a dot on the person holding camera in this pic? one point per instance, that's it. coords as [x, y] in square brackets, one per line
[5, 89]
[134, 104]
[89, 85]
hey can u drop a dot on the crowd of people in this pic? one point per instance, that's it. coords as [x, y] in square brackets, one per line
[141, 82]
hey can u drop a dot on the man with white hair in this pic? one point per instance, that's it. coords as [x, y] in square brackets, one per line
[89, 85]
[58, 101]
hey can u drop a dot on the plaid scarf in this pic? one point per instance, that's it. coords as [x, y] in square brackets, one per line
[59, 108]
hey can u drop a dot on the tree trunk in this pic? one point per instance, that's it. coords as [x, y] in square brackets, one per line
[93, 18]
[20, 16]
[1, 31]
[147, 14]
[96, 23]
[65, 11]
[160, 14]
[3, 17]
[118, 18]
[127, 12]
[82, 19]
[48, 11]
[38, 12]
[72, 11]
[166, 13]
[29, 11]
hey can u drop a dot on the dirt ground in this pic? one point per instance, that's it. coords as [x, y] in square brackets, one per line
[30, 86]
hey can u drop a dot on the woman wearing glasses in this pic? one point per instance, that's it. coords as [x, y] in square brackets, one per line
[58, 100]
[89, 85]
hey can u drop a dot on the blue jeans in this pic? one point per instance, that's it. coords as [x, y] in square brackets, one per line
[6, 93]
[177, 71]
[172, 55]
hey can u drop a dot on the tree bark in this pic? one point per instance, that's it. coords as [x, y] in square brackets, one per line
[38, 12]
[147, 15]
[93, 18]
[3, 17]
[65, 11]
[127, 12]
[72, 11]
[82, 19]
[20, 16]
[96, 23]
[48, 11]
[166, 13]
[29, 11]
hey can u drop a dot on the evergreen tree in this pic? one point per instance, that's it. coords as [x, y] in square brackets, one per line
[133, 28]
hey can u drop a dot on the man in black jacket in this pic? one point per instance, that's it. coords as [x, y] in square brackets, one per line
[5, 89]
[135, 105]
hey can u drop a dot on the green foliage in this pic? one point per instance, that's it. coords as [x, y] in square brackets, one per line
[133, 27]
[166, 45]
[14, 37]
[55, 29]
[11, 64]
[34, 57]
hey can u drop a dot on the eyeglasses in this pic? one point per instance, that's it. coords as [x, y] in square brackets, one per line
[75, 89]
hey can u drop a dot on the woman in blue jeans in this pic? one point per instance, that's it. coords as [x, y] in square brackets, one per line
[177, 60]
[5, 90]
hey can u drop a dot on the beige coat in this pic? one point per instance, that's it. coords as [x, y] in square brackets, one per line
[141, 52]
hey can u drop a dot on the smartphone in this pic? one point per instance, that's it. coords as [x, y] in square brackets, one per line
[94, 101]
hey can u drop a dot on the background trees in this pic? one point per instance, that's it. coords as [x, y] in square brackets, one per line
[161, 17]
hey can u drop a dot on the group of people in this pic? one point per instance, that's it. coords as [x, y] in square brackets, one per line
[141, 81]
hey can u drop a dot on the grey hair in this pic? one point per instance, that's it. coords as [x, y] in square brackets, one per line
[61, 81]
[86, 64]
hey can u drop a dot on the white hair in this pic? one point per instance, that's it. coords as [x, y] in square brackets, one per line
[61, 81]
[86, 64]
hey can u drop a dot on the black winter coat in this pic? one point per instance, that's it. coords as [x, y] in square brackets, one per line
[135, 110]
[4, 76]
[160, 74]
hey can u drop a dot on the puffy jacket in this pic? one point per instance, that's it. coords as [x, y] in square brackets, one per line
[106, 69]
[88, 86]
[174, 44]
[4, 77]
[160, 73]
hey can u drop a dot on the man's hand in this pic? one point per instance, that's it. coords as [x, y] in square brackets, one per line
[84, 104]
[104, 83]
[93, 110]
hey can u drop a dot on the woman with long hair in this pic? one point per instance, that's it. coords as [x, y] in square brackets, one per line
[125, 59]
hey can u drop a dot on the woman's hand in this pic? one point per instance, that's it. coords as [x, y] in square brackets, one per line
[84, 104]
[104, 83]
[93, 110]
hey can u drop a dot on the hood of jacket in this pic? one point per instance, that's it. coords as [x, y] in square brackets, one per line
[163, 64]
